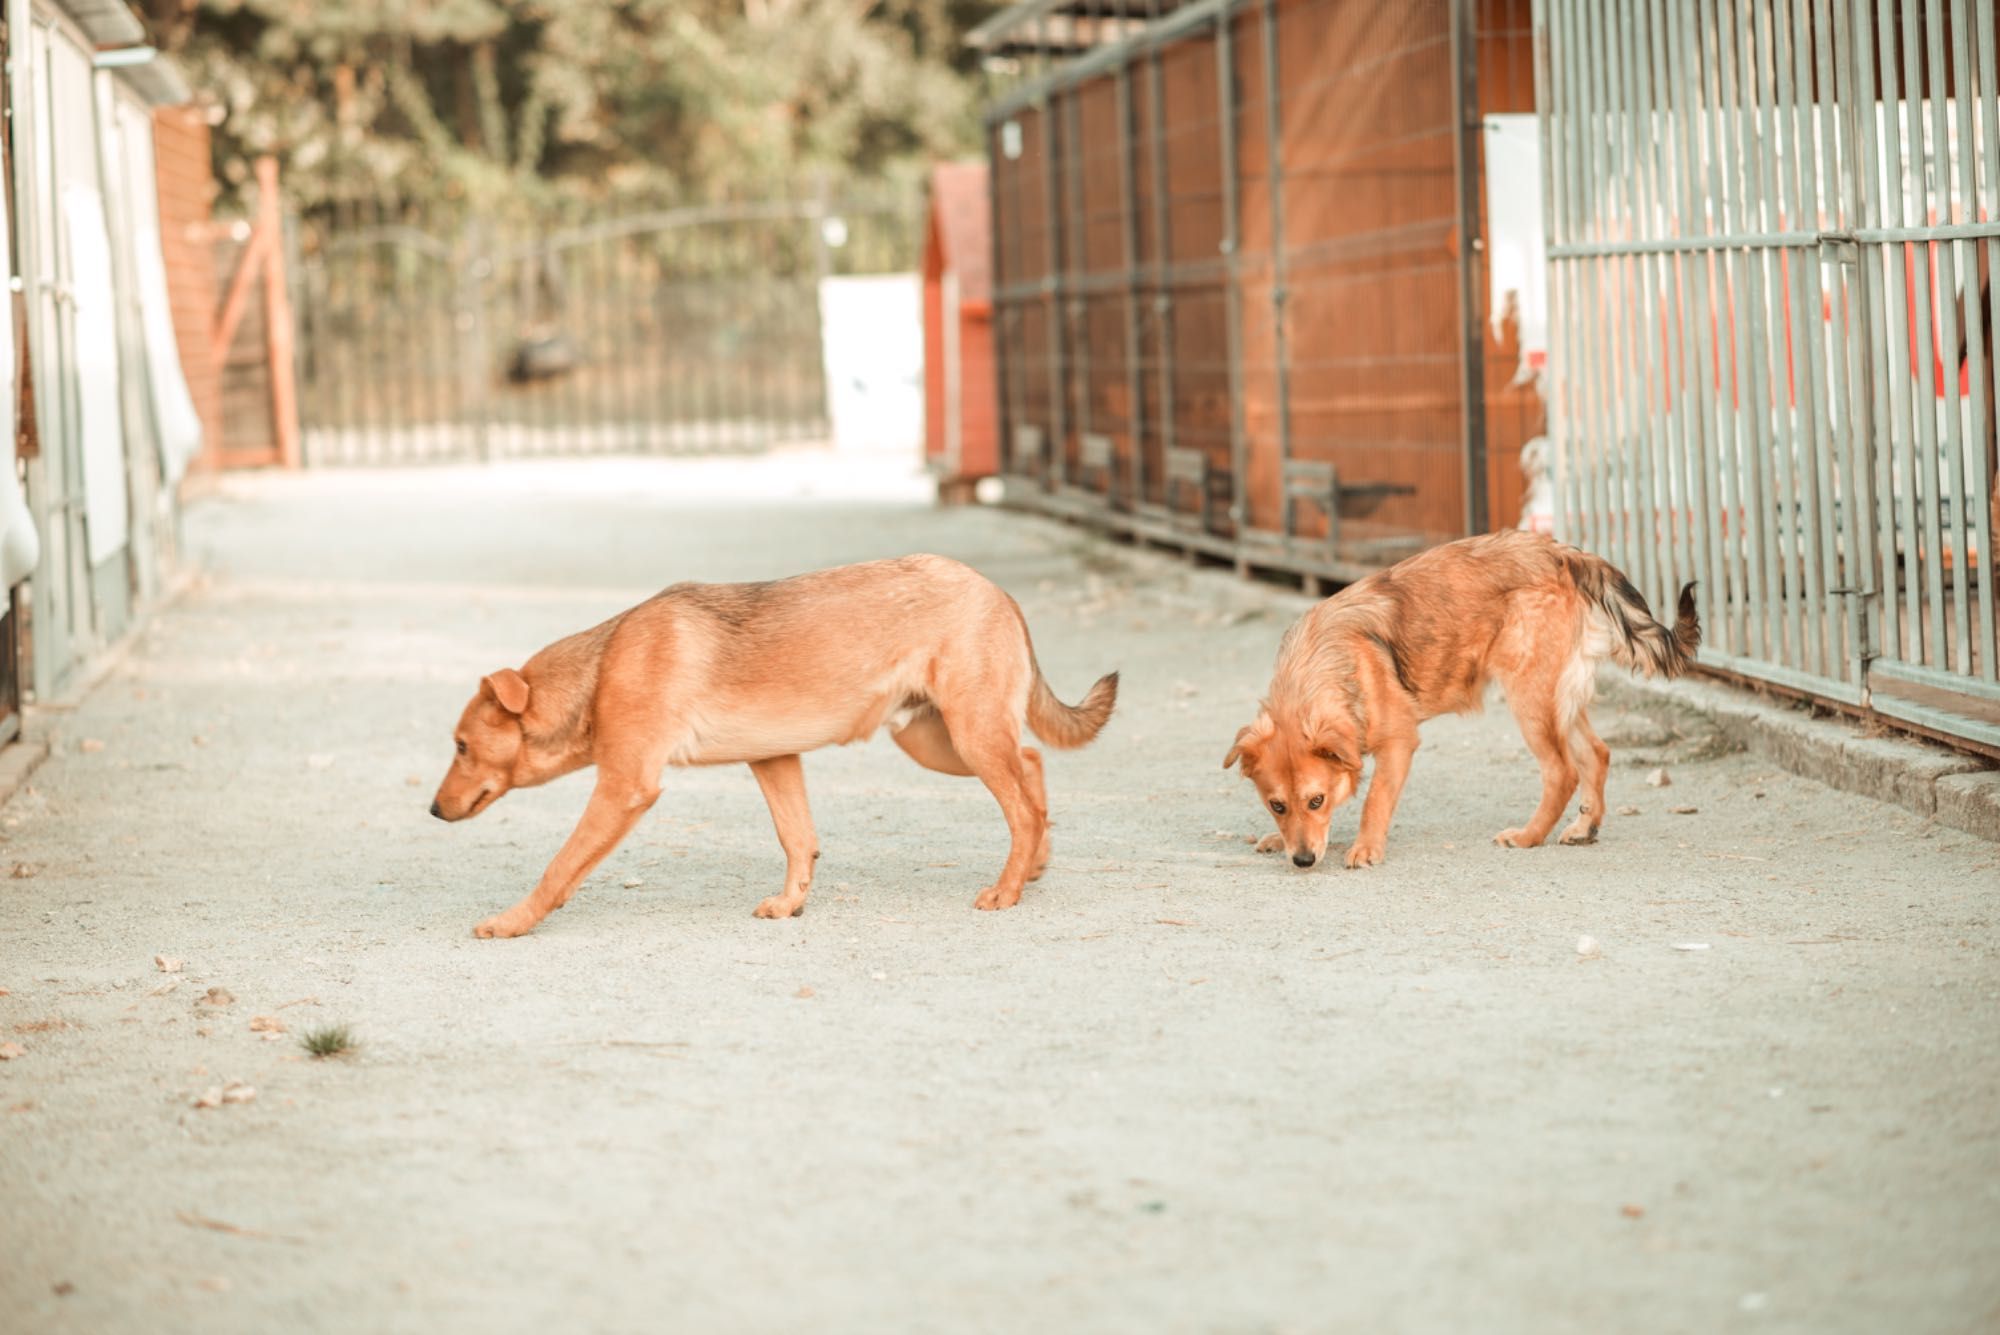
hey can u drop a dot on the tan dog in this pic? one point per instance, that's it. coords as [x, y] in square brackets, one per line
[713, 674]
[1359, 672]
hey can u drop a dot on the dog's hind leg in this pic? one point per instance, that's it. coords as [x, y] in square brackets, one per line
[783, 780]
[991, 746]
[1038, 793]
[616, 805]
[1593, 760]
[927, 741]
[1535, 711]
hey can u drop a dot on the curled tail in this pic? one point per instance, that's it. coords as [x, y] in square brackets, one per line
[1638, 641]
[1067, 726]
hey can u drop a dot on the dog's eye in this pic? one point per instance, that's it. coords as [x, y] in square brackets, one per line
[1317, 802]
[461, 746]
[1278, 808]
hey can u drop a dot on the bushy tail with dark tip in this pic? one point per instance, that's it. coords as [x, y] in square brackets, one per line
[1639, 641]
[1068, 726]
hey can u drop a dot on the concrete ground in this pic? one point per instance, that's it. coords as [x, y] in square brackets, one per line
[1181, 1087]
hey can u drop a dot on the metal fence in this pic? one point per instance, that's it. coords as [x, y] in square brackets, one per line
[1772, 226]
[430, 333]
[1240, 297]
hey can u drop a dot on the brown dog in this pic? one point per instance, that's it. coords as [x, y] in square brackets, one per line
[713, 674]
[1359, 672]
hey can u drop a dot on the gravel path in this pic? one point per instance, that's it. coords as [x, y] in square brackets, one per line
[1182, 1087]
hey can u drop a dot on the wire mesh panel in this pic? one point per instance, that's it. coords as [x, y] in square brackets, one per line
[439, 334]
[1772, 352]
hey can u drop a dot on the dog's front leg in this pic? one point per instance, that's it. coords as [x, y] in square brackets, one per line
[615, 807]
[1392, 767]
[783, 780]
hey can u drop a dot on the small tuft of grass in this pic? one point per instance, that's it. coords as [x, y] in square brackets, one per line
[328, 1040]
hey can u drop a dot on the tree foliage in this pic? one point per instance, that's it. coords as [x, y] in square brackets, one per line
[485, 99]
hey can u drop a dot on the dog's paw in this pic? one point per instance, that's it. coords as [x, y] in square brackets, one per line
[992, 897]
[782, 906]
[1363, 853]
[510, 923]
[1579, 833]
[1271, 843]
[1516, 839]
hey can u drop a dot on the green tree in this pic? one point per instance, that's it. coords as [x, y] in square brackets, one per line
[482, 100]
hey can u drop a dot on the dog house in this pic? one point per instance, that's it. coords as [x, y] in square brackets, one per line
[961, 410]
[1242, 293]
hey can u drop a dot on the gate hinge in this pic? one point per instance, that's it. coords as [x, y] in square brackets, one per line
[1839, 248]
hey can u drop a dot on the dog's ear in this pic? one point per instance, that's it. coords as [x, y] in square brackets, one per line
[509, 688]
[1336, 750]
[1249, 743]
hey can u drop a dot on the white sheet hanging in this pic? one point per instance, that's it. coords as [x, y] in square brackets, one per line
[1517, 267]
[101, 420]
[176, 424]
[20, 545]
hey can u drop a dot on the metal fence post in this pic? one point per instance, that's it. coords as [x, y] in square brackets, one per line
[1274, 148]
[1128, 216]
[1239, 460]
[1466, 125]
[1056, 471]
[1163, 300]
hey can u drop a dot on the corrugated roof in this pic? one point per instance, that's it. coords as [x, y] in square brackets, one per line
[963, 216]
[105, 22]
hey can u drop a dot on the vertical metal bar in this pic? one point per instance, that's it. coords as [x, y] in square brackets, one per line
[1802, 453]
[1614, 507]
[1875, 337]
[1575, 457]
[1626, 408]
[1274, 149]
[1128, 218]
[1930, 550]
[1665, 113]
[1989, 403]
[1840, 172]
[1055, 473]
[998, 228]
[1752, 345]
[1552, 111]
[1704, 329]
[1163, 300]
[1680, 103]
[1895, 303]
[1076, 311]
[1586, 442]
[1776, 441]
[1819, 203]
[1589, 282]
[1649, 410]
[1239, 447]
[1465, 150]
[1719, 373]
[1952, 550]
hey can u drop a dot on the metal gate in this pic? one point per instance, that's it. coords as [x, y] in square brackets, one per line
[1771, 226]
[430, 334]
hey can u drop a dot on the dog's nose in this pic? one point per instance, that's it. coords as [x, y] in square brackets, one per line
[436, 812]
[1303, 858]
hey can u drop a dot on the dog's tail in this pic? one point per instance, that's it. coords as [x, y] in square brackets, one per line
[1638, 641]
[1068, 726]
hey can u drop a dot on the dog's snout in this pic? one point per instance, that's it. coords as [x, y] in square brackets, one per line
[1303, 858]
[436, 811]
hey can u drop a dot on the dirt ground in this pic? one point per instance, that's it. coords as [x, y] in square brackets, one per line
[1181, 1087]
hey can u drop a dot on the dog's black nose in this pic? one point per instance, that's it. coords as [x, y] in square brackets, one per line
[1303, 858]
[436, 812]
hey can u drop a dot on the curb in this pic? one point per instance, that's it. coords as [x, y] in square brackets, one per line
[19, 759]
[1956, 790]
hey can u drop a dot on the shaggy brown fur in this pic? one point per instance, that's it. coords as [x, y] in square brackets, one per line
[1360, 671]
[714, 674]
